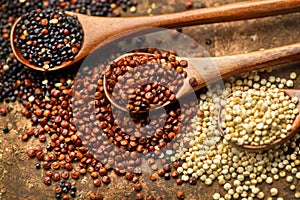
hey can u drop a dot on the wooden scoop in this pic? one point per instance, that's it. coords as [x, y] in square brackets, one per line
[292, 132]
[211, 69]
[102, 30]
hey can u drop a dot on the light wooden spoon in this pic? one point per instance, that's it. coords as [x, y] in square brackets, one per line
[291, 133]
[208, 70]
[102, 30]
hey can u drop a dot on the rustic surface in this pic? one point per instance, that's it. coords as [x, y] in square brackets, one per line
[20, 180]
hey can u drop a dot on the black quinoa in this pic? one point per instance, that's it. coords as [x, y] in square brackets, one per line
[47, 38]
[5, 129]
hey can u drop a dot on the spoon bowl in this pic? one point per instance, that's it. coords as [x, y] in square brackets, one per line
[19, 55]
[295, 127]
[207, 70]
[99, 31]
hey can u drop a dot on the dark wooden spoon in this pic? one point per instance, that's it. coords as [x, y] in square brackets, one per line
[292, 132]
[102, 30]
[211, 69]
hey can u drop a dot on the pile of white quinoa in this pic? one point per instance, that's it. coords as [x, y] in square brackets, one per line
[211, 157]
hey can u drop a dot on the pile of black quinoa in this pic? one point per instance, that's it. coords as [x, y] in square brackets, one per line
[47, 38]
[10, 69]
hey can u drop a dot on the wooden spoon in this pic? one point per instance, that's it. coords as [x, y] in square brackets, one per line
[103, 29]
[292, 132]
[211, 69]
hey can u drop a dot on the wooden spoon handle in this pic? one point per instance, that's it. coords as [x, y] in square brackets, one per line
[100, 30]
[225, 13]
[207, 70]
[236, 64]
